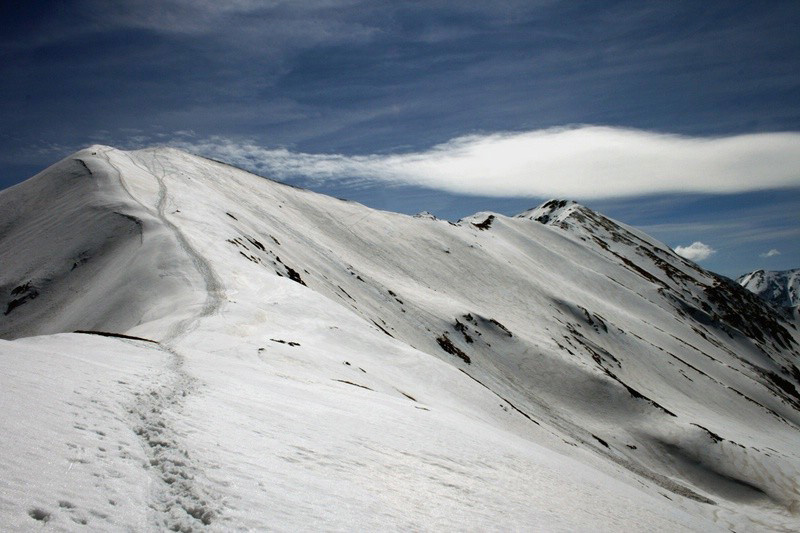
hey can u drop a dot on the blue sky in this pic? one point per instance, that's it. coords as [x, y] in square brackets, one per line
[681, 118]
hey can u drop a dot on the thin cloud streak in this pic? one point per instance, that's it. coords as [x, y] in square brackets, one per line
[586, 162]
[748, 230]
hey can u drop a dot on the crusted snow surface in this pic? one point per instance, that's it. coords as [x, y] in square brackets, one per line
[256, 356]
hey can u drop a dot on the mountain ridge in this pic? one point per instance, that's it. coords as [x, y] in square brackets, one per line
[558, 327]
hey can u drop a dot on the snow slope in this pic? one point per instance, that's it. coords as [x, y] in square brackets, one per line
[781, 289]
[294, 361]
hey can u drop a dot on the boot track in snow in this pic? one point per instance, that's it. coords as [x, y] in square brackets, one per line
[181, 499]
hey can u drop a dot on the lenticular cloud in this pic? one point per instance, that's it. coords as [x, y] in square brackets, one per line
[583, 162]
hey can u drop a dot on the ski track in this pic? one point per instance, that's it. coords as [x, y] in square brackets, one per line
[181, 501]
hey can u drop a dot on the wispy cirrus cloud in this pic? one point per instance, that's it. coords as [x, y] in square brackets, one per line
[697, 251]
[772, 253]
[195, 17]
[585, 162]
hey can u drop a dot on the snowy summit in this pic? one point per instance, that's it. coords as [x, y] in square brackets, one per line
[189, 346]
[781, 289]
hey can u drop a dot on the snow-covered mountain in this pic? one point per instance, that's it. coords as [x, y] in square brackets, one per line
[780, 288]
[191, 346]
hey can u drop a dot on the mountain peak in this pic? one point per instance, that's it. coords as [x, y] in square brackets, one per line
[780, 288]
[551, 211]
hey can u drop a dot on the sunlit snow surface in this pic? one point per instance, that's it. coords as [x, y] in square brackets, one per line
[320, 365]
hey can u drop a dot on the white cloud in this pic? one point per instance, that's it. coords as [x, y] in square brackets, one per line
[584, 162]
[697, 251]
[772, 253]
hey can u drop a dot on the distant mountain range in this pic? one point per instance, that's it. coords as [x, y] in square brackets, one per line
[780, 288]
[190, 346]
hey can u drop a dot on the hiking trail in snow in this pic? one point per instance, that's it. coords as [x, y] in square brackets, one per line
[182, 499]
